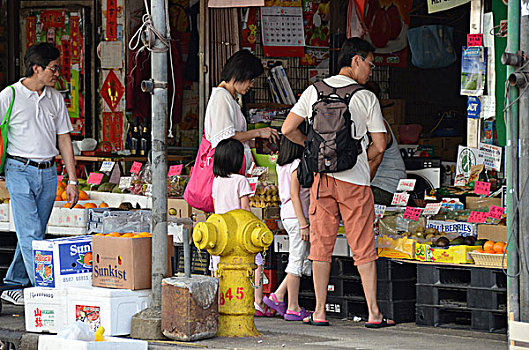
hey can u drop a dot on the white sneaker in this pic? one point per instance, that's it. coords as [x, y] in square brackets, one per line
[14, 296]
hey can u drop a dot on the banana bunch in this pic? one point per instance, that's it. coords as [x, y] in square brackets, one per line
[266, 195]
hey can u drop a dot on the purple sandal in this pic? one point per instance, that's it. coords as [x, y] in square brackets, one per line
[296, 316]
[275, 304]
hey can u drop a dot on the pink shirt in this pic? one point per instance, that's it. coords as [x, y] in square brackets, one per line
[227, 192]
[284, 176]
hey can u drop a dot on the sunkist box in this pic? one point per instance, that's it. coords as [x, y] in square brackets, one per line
[63, 262]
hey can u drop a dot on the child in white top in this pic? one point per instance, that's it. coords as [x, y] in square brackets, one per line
[230, 191]
[294, 214]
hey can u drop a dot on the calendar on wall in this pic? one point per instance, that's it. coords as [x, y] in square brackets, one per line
[282, 31]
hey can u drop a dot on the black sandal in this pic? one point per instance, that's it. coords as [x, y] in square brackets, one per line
[381, 324]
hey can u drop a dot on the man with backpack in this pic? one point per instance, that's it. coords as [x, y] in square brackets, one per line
[341, 166]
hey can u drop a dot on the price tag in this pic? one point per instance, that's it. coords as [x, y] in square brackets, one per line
[136, 167]
[496, 212]
[431, 209]
[125, 182]
[379, 210]
[107, 166]
[400, 199]
[406, 184]
[477, 217]
[175, 170]
[481, 187]
[59, 178]
[95, 178]
[412, 213]
[253, 183]
[475, 39]
[147, 190]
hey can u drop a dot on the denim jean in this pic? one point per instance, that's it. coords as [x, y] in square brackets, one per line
[32, 193]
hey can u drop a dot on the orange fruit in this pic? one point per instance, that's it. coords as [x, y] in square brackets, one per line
[144, 234]
[87, 260]
[63, 196]
[58, 198]
[66, 205]
[499, 247]
[78, 206]
[83, 195]
[128, 235]
[115, 234]
[488, 245]
[103, 205]
[99, 234]
[479, 251]
[89, 205]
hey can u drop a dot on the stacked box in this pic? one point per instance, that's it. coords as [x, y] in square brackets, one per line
[45, 309]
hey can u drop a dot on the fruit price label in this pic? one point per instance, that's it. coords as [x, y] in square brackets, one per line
[482, 188]
[477, 217]
[125, 182]
[406, 184]
[431, 209]
[95, 178]
[136, 167]
[107, 166]
[253, 184]
[412, 213]
[379, 210]
[496, 212]
[475, 39]
[400, 199]
[148, 190]
[175, 170]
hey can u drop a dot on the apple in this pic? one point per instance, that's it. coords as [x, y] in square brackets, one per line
[380, 30]
[395, 21]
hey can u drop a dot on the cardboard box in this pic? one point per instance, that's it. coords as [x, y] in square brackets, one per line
[183, 210]
[45, 309]
[392, 253]
[4, 212]
[492, 232]
[63, 262]
[399, 248]
[266, 213]
[198, 215]
[52, 342]
[475, 202]
[4, 193]
[122, 262]
[394, 110]
[458, 254]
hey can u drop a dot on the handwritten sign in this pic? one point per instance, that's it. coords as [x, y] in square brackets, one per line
[125, 182]
[481, 187]
[400, 199]
[379, 210]
[107, 166]
[496, 212]
[136, 167]
[95, 178]
[477, 217]
[406, 184]
[475, 39]
[253, 183]
[431, 209]
[175, 170]
[412, 213]
[147, 190]
[59, 178]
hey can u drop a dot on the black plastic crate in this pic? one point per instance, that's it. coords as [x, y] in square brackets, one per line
[400, 311]
[487, 321]
[450, 276]
[199, 261]
[334, 307]
[352, 288]
[8, 239]
[389, 270]
[397, 290]
[6, 255]
[344, 267]
[440, 317]
[489, 278]
[427, 294]
[436, 295]
[305, 284]
[492, 300]
[335, 287]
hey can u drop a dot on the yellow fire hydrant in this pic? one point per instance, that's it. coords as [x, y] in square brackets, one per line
[236, 237]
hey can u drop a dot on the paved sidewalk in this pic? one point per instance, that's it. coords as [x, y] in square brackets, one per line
[279, 334]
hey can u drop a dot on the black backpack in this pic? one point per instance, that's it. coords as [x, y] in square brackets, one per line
[329, 147]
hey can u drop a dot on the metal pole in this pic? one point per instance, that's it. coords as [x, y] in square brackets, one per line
[524, 169]
[159, 154]
[513, 288]
[187, 255]
[203, 86]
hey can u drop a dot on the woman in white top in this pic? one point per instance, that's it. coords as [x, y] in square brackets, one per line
[224, 118]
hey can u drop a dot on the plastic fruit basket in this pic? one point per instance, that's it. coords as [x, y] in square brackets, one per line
[489, 260]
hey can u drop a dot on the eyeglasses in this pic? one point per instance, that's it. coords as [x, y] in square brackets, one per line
[252, 81]
[370, 63]
[54, 69]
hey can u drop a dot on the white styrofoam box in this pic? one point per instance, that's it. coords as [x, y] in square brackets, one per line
[45, 309]
[53, 342]
[115, 199]
[341, 247]
[4, 227]
[4, 212]
[63, 262]
[74, 217]
[66, 231]
[110, 308]
[281, 243]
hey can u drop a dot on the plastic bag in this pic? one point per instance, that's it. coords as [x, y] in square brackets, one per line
[176, 185]
[77, 331]
[128, 221]
[432, 46]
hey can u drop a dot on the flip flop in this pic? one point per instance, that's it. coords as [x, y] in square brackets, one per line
[381, 324]
[310, 320]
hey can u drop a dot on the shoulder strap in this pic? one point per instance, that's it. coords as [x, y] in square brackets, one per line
[346, 92]
[7, 117]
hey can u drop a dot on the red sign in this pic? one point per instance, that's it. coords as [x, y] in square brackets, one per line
[112, 20]
[400, 199]
[95, 178]
[175, 170]
[477, 217]
[496, 212]
[412, 213]
[112, 90]
[481, 187]
[136, 167]
[475, 39]
[113, 129]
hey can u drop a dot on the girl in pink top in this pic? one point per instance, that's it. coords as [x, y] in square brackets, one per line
[230, 191]
[294, 213]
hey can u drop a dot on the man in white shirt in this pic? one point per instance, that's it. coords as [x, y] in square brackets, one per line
[39, 124]
[345, 194]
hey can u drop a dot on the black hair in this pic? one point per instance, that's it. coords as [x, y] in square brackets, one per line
[40, 54]
[290, 151]
[228, 159]
[241, 66]
[352, 47]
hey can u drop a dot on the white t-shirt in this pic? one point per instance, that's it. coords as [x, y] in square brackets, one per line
[284, 179]
[35, 121]
[223, 119]
[227, 192]
[366, 115]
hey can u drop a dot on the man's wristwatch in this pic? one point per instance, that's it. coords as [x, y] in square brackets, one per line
[73, 182]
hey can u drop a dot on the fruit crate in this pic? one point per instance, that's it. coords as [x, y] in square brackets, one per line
[444, 275]
[7, 251]
[199, 260]
[489, 260]
[477, 320]
[334, 307]
[390, 270]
